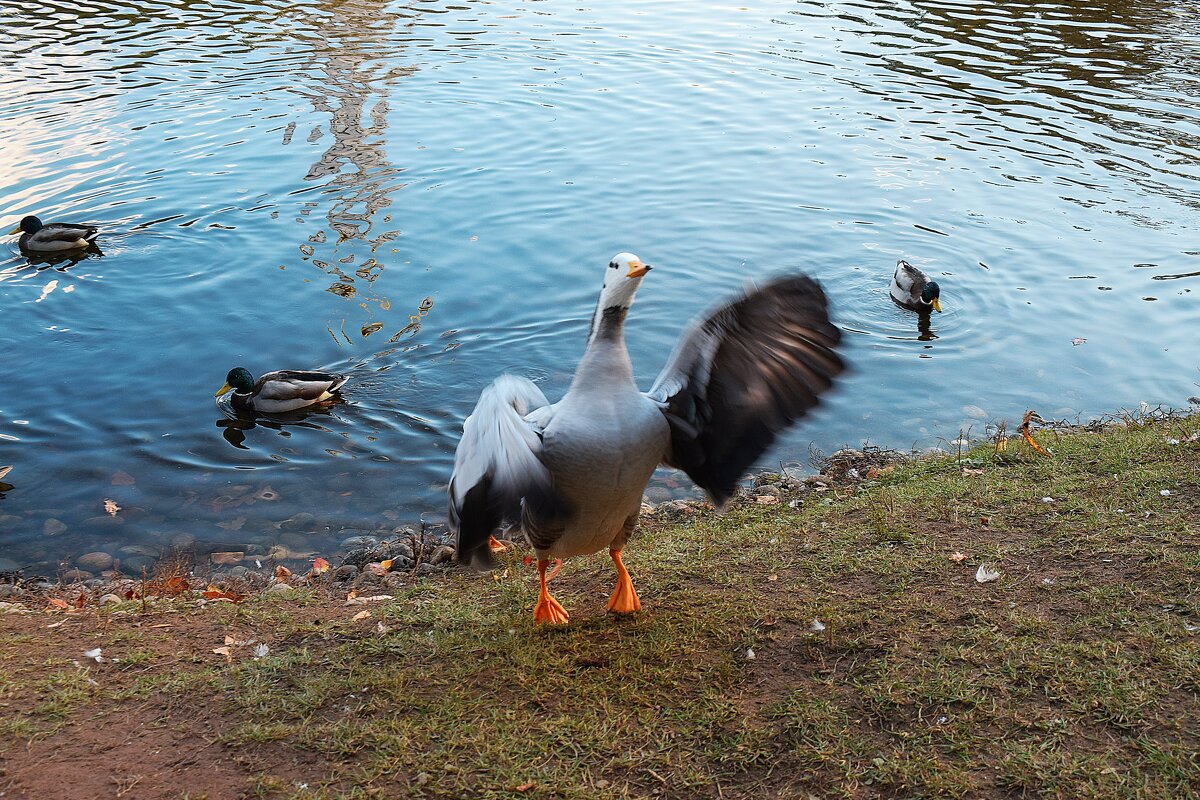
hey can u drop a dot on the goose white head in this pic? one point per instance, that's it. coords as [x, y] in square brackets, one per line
[622, 277]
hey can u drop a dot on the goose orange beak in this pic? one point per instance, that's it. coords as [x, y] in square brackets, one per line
[637, 269]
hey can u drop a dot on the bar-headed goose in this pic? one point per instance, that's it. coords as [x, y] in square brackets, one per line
[571, 474]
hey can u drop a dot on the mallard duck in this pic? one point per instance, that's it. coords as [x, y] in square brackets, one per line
[53, 236]
[571, 475]
[913, 290]
[282, 390]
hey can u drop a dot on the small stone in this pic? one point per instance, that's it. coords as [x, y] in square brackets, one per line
[239, 571]
[358, 542]
[183, 540]
[442, 553]
[97, 561]
[281, 590]
[346, 572]
[109, 599]
[54, 527]
[228, 557]
[394, 580]
[10, 590]
[425, 568]
[73, 575]
[297, 522]
[8, 565]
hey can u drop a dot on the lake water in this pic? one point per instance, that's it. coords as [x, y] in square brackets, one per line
[424, 194]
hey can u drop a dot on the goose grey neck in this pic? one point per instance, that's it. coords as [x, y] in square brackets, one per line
[608, 325]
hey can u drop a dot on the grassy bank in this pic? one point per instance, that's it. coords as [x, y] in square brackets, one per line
[839, 648]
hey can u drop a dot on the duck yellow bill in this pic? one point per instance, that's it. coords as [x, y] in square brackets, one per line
[937, 305]
[14, 230]
[223, 390]
[637, 269]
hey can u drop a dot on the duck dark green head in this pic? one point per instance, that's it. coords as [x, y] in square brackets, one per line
[931, 295]
[28, 225]
[239, 378]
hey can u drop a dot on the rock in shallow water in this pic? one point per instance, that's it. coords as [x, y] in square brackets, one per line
[54, 527]
[72, 575]
[97, 561]
[8, 565]
[298, 522]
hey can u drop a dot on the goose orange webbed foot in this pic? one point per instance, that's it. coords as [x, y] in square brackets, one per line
[495, 546]
[548, 610]
[624, 598]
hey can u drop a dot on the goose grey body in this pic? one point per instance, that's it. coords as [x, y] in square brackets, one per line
[571, 475]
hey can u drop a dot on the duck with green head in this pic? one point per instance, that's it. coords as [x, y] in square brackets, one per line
[53, 237]
[912, 289]
[282, 390]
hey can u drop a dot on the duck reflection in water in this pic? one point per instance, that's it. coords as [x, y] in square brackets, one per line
[925, 331]
[235, 422]
[62, 260]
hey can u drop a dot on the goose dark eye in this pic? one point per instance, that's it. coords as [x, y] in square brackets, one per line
[612, 265]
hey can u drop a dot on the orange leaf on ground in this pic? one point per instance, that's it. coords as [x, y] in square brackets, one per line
[525, 787]
[1029, 415]
[216, 593]
[320, 565]
[282, 572]
[54, 604]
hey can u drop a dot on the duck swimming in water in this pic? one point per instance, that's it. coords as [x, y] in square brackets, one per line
[282, 390]
[913, 290]
[54, 236]
[571, 475]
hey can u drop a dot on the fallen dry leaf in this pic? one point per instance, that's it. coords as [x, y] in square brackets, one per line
[525, 787]
[387, 565]
[362, 601]
[282, 572]
[217, 593]
[111, 508]
[957, 557]
[224, 651]
[320, 566]
[1029, 415]
[360, 615]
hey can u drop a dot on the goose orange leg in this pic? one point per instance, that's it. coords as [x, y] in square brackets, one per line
[547, 609]
[624, 599]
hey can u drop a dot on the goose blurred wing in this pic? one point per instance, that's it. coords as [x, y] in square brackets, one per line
[742, 374]
[499, 478]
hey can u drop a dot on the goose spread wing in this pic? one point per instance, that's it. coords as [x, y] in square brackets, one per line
[499, 478]
[743, 373]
